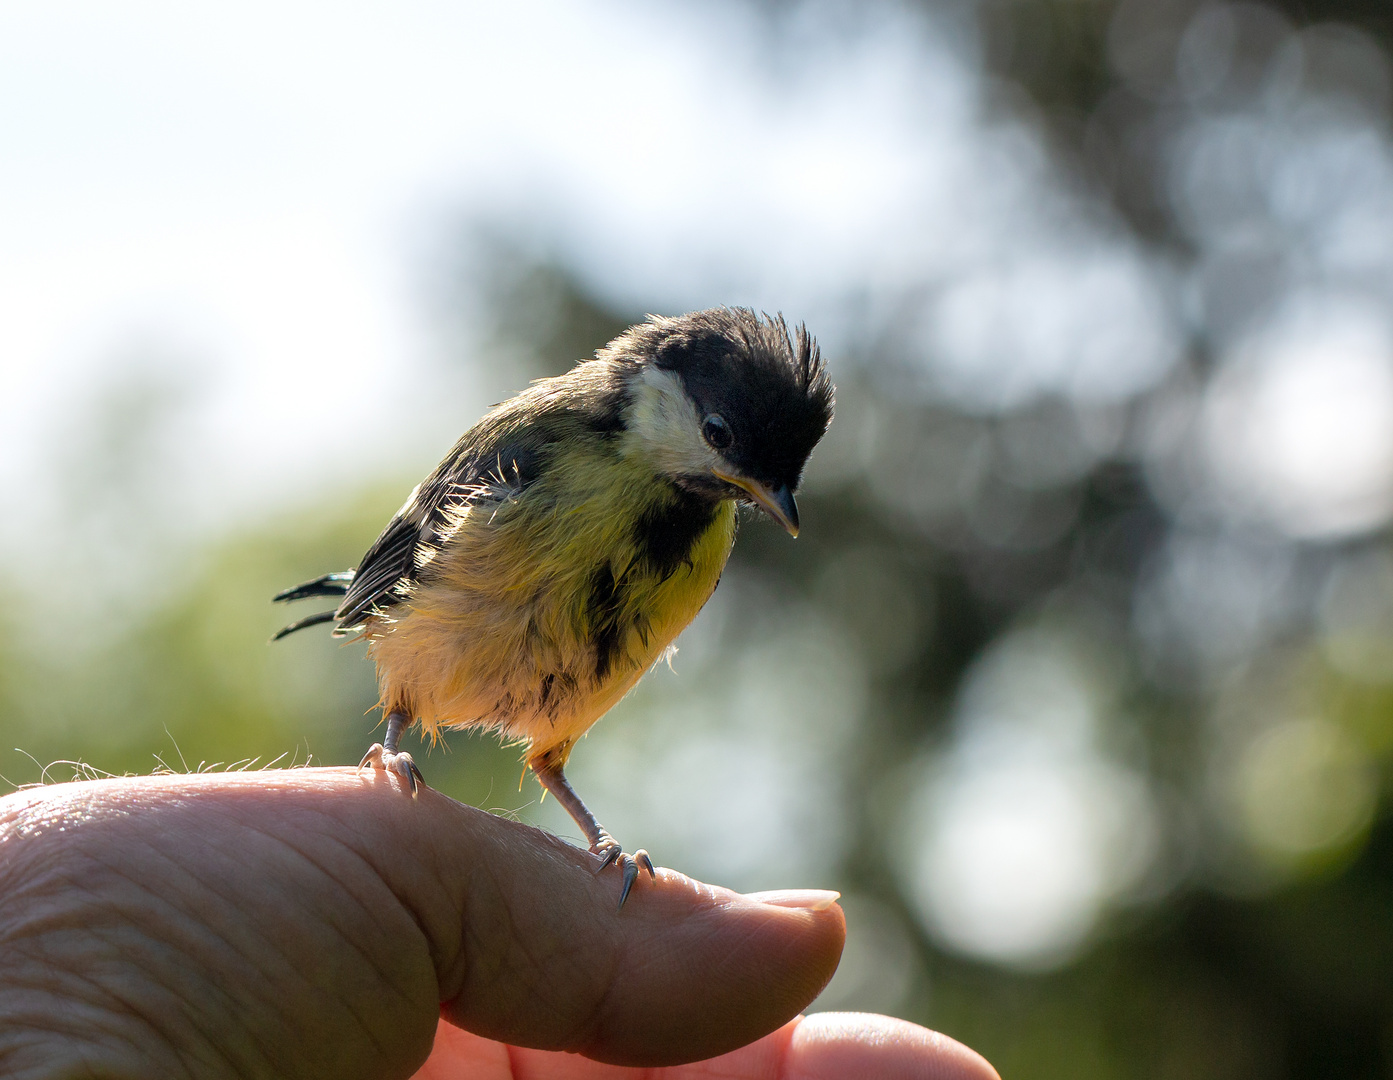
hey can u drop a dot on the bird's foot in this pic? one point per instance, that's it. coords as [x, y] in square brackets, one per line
[399, 762]
[610, 851]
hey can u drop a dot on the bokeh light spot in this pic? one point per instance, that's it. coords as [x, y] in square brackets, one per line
[1017, 838]
[1299, 429]
[1304, 787]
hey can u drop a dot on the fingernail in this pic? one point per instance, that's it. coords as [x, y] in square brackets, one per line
[807, 899]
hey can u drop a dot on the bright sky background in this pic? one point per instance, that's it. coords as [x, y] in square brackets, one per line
[252, 193]
[256, 193]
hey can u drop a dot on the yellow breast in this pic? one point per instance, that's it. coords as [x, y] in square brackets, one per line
[539, 613]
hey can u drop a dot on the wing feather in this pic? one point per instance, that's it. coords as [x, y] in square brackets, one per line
[496, 460]
[393, 562]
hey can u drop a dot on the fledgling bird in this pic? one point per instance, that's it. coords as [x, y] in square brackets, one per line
[550, 560]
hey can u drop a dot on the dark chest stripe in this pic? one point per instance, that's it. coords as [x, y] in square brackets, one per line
[603, 607]
[666, 532]
[664, 536]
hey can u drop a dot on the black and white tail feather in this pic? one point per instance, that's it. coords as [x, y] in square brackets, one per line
[473, 474]
[336, 584]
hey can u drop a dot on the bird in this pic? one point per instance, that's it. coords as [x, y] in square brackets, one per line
[550, 560]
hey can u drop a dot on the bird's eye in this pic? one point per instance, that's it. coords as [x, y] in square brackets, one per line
[716, 431]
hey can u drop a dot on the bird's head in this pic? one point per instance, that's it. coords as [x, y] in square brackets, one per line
[726, 403]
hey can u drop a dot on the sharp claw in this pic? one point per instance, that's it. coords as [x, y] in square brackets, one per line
[630, 876]
[373, 757]
[610, 851]
[404, 766]
[401, 764]
[609, 857]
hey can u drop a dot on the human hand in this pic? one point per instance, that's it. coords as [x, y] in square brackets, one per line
[317, 922]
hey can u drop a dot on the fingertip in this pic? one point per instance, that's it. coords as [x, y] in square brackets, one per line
[807, 899]
[832, 1046]
[461, 1053]
[718, 971]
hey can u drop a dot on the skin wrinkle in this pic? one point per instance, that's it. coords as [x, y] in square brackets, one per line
[590, 1022]
[60, 884]
[610, 981]
[469, 933]
[195, 916]
[538, 957]
[470, 899]
[345, 883]
[468, 896]
[602, 1007]
[728, 959]
[605, 1006]
[351, 1006]
[104, 992]
[444, 937]
[89, 930]
[363, 907]
[134, 1006]
[473, 956]
[192, 883]
[544, 958]
[387, 973]
[614, 985]
[465, 966]
[542, 977]
[786, 950]
[83, 1030]
[149, 1013]
[117, 945]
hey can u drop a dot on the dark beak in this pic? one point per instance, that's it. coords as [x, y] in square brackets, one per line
[777, 502]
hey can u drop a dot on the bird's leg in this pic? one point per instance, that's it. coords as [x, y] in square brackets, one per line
[552, 776]
[384, 755]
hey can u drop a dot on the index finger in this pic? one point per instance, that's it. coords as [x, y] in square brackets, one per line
[828, 1046]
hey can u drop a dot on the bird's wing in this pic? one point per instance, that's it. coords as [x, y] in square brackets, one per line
[491, 464]
[496, 460]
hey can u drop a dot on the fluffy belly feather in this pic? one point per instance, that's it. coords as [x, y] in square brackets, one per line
[538, 615]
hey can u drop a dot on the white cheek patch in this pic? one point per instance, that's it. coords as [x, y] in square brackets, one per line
[665, 428]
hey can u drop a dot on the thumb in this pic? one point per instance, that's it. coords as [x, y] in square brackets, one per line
[318, 922]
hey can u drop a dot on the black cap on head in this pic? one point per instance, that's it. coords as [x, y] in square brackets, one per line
[771, 388]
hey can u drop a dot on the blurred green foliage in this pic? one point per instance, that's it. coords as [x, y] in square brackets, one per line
[193, 681]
